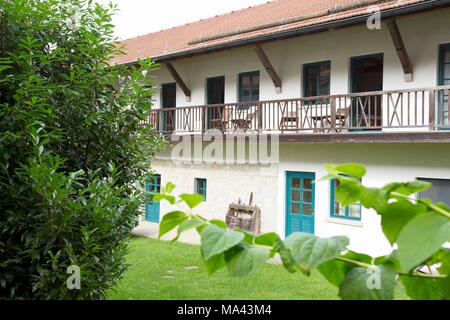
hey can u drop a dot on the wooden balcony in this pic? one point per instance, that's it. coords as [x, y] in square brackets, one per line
[412, 115]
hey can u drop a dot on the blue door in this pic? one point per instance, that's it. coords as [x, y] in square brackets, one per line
[300, 202]
[152, 207]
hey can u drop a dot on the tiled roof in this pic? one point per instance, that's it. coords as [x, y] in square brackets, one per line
[251, 23]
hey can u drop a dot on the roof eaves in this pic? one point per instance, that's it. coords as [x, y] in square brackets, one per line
[319, 27]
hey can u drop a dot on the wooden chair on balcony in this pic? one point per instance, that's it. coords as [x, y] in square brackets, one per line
[222, 123]
[323, 123]
[289, 120]
[342, 114]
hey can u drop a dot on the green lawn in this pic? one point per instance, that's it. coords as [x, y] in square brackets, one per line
[164, 270]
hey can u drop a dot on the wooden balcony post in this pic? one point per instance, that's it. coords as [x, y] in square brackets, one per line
[203, 115]
[432, 111]
[259, 115]
[157, 121]
[333, 114]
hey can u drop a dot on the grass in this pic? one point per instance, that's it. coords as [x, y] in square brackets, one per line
[161, 270]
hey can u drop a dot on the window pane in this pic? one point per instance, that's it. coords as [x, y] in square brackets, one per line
[354, 211]
[307, 196]
[447, 71]
[338, 209]
[295, 182]
[310, 81]
[317, 79]
[295, 195]
[307, 210]
[255, 88]
[307, 184]
[295, 208]
[245, 89]
[447, 55]
[325, 80]
[439, 191]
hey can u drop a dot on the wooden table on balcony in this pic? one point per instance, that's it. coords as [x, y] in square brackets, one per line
[341, 118]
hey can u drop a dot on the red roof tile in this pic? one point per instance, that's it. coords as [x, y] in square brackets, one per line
[186, 37]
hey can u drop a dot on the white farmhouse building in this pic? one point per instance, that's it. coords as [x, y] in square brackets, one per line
[326, 79]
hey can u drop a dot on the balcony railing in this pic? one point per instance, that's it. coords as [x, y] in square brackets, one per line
[424, 109]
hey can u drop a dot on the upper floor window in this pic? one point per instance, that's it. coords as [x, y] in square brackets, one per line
[352, 212]
[444, 80]
[249, 86]
[316, 79]
[200, 187]
[439, 191]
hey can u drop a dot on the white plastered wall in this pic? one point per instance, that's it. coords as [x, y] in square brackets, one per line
[422, 35]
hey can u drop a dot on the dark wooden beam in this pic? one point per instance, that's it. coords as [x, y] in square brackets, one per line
[400, 48]
[268, 66]
[179, 81]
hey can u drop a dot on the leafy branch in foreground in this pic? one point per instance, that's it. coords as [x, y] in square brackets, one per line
[419, 228]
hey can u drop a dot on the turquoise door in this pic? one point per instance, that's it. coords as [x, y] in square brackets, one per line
[300, 202]
[152, 207]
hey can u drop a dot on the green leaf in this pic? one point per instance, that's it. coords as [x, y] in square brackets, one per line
[216, 240]
[188, 225]
[367, 284]
[407, 188]
[352, 169]
[248, 261]
[444, 259]
[157, 197]
[285, 255]
[374, 198]
[219, 223]
[267, 239]
[348, 193]
[335, 271]
[248, 237]
[192, 200]
[396, 216]
[310, 251]
[214, 263]
[422, 288]
[421, 238]
[171, 221]
[168, 188]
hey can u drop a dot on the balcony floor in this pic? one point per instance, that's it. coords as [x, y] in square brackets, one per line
[349, 137]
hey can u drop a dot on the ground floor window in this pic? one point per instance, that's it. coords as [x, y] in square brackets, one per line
[439, 191]
[352, 212]
[200, 187]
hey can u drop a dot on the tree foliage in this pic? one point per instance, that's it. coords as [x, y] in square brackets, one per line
[419, 229]
[72, 148]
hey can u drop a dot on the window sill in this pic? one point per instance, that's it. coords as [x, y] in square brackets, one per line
[347, 222]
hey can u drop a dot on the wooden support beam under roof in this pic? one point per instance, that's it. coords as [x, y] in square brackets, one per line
[269, 68]
[178, 80]
[400, 48]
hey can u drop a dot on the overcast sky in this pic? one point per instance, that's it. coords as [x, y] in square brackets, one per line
[137, 17]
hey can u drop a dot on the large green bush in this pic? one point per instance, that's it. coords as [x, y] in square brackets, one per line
[72, 150]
